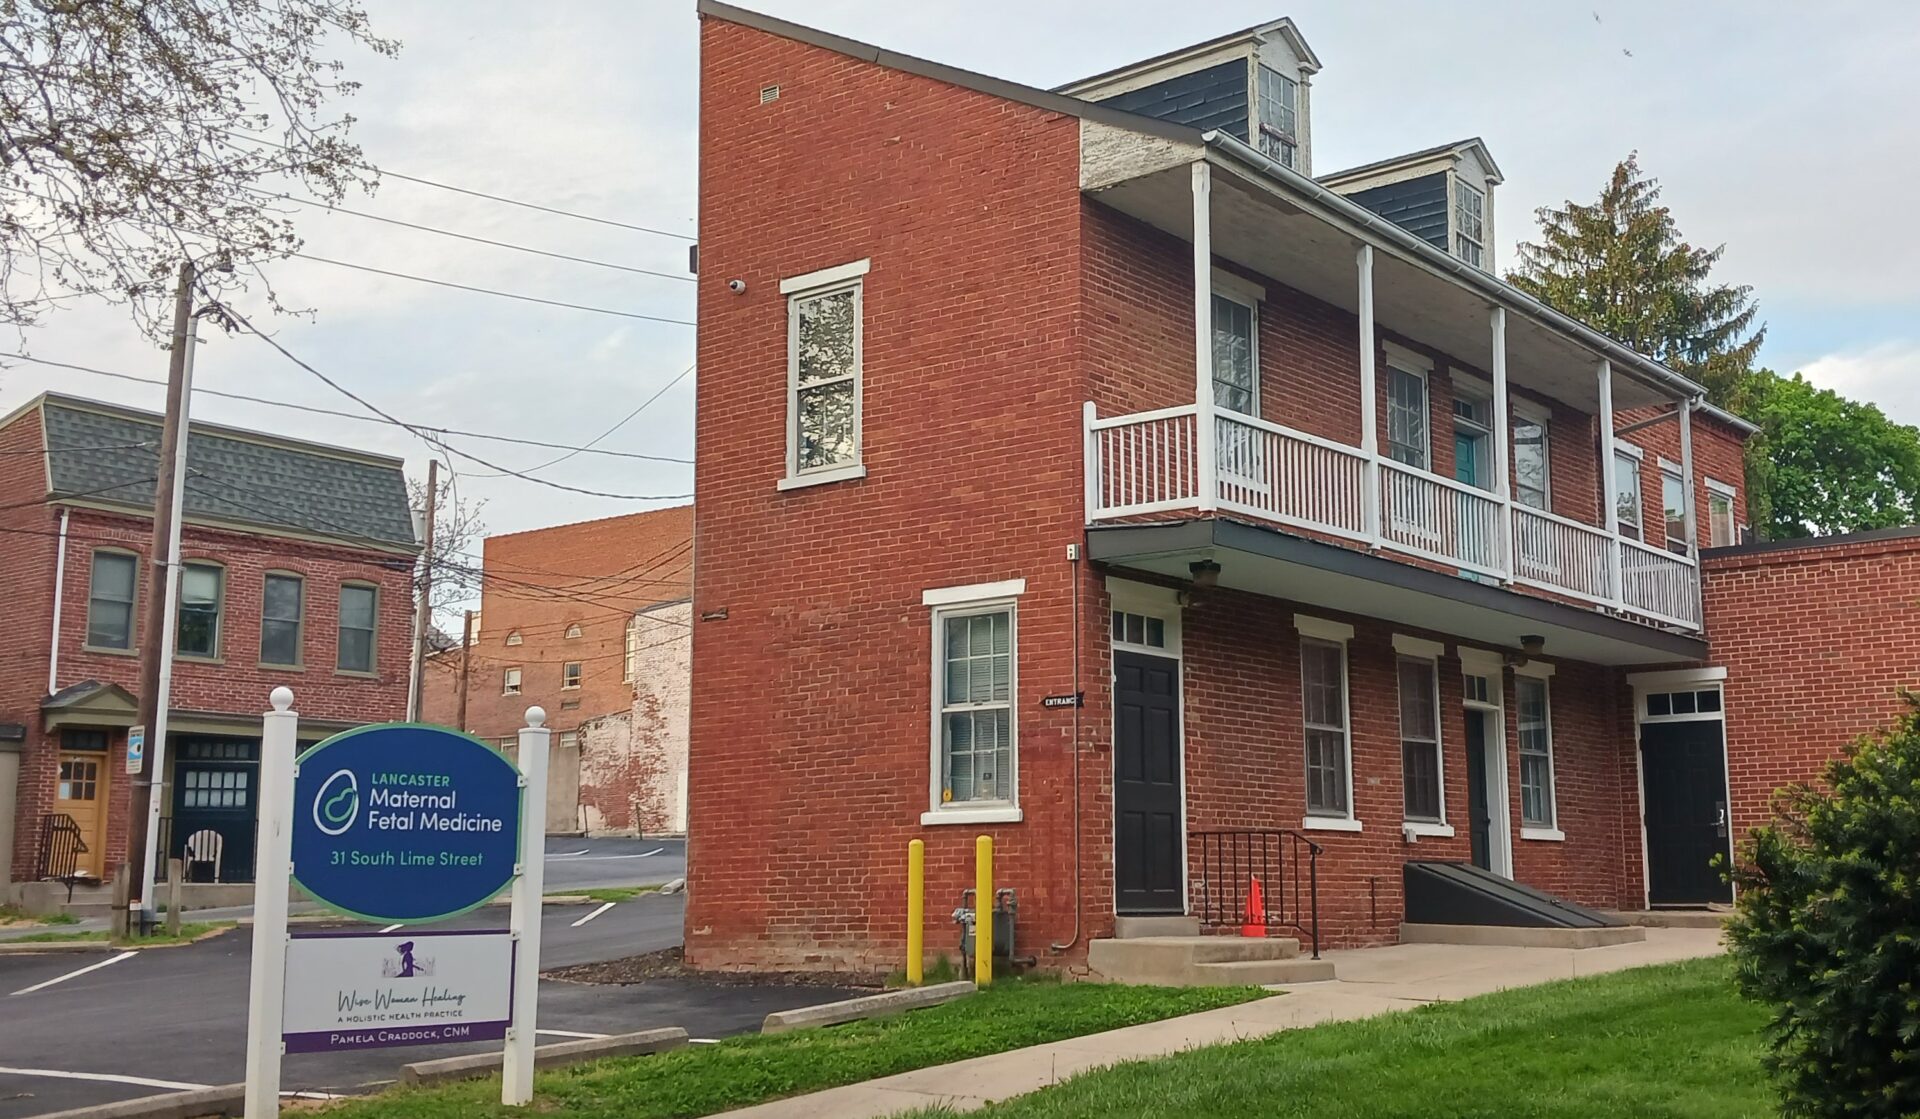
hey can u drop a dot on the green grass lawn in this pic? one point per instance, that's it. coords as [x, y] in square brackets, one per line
[606, 893]
[188, 931]
[704, 1079]
[1671, 1042]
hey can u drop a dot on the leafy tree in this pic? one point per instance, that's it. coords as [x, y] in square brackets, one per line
[1824, 464]
[1620, 265]
[1828, 933]
[134, 133]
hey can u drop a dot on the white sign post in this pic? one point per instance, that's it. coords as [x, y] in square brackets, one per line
[273, 870]
[516, 1086]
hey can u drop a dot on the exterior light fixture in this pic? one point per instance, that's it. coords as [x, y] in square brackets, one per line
[1206, 574]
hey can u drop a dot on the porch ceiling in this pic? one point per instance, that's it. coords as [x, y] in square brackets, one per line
[1257, 229]
[1280, 565]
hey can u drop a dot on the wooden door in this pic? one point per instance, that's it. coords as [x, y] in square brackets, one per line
[83, 795]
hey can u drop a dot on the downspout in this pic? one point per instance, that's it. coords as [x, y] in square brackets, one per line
[1079, 902]
[59, 593]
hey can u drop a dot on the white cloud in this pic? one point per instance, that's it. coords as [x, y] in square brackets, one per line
[1887, 374]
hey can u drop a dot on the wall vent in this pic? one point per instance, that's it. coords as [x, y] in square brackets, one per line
[769, 93]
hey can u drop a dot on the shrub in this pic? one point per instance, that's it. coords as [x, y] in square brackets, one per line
[1827, 932]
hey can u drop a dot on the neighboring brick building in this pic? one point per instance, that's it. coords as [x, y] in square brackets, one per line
[557, 627]
[299, 561]
[633, 764]
[949, 464]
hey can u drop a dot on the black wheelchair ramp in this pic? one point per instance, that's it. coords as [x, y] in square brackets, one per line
[1462, 894]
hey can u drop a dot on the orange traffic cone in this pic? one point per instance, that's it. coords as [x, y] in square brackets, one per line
[1256, 922]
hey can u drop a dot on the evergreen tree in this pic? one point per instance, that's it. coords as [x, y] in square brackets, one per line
[1620, 265]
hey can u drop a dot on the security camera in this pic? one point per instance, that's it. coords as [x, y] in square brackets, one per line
[737, 287]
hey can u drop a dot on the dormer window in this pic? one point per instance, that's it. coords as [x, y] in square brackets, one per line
[1279, 107]
[1469, 224]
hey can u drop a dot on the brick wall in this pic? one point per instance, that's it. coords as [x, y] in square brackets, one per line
[1817, 641]
[633, 764]
[1719, 453]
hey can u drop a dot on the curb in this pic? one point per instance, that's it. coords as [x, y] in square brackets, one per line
[36, 946]
[869, 1006]
[545, 1056]
[225, 1100]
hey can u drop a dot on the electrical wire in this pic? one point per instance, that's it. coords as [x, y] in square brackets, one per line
[624, 420]
[70, 495]
[309, 408]
[489, 291]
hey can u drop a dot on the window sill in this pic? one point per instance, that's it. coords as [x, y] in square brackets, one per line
[1329, 823]
[194, 658]
[265, 667]
[1544, 835]
[356, 674]
[109, 651]
[1427, 829]
[822, 477]
[1002, 814]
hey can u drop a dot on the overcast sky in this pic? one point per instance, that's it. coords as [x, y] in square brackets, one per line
[1785, 133]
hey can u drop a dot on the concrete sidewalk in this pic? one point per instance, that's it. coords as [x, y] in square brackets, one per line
[1371, 981]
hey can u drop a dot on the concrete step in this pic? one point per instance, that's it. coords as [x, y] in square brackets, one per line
[1132, 928]
[1262, 973]
[1194, 961]
[1676, 918]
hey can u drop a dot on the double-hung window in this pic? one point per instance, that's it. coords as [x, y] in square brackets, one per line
[1469, 224]
[975, 684]
[1420, 739]
[1626, 493]
[1236, 366]
[630, 663]
[1673, 499]
[570, 675]
[1323, 702]
[1536, 753]
[1407, 417]
[824, 383]
[1530, 461]
[199, 618]
[1722, 533]
[1279, 105]
[281, 600]
[110, 600]
[510, 682]
[358, 611]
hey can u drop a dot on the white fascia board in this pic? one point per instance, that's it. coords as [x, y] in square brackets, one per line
[1673, 677]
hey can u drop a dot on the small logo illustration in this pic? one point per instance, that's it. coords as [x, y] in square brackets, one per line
[337, 805]
[405, 965]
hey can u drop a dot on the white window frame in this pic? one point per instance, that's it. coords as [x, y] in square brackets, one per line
[1427, 652]
[372, 630]
[1252, 296]
[1420, 368]
[962, 601]
[1543, 417]
[630, 659]
[578, 673]
[1492, 667]
[1289, 154]
[1461, 191]
[219, 610]
[799, 289]
[299, 619]
[1721, 490]
[1627, 451]
[1326, 632]
[1542, 674]
[132, 603]
[1670, 471]
[511, 681]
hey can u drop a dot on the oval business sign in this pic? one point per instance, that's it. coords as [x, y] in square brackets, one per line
[406, 823]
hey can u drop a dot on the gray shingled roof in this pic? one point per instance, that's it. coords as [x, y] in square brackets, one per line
[261, 482]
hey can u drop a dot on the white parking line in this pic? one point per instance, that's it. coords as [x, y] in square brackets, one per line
[75, 974]
[591, 916]
[610, 858]
[104, 1077]
[571, 1033]
[703, 1041]
[390, 928]
[566, 854]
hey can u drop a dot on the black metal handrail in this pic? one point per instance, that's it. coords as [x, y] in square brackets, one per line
[1230, 860]
[61, 846]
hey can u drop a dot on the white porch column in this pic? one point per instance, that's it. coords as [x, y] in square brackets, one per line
[1686, 504]
[1502, 443]
[1610, 488]
[1369, 402]
[1203, 420]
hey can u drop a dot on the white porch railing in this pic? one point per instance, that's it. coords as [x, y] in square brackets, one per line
[1658, 584]
[1149, 462]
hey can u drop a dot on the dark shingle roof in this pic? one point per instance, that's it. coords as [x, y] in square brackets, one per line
[109, 454]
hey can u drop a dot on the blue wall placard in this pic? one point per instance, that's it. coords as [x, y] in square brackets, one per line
[402, 822]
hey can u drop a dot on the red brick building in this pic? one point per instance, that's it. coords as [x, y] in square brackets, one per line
[560, 626]
[298, 571]
[1048, 490]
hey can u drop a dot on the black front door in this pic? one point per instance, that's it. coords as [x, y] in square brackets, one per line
[1479, 816]
[1684, 777]
[213, 807]
[1146, 784]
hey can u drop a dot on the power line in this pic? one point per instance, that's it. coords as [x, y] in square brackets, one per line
[421, 433]
[69, 495]
[662, 391]
[478, 240]
[484, 194]
[491, 291]
[77, 450]
[348, 415]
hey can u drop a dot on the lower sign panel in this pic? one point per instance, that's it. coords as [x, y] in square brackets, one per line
[374, 991]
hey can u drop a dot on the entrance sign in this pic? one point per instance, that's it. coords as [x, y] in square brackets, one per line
[405, 823]
[396, 823]
[366, 990]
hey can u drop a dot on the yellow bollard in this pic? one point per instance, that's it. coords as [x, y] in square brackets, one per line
[916, 909]
[983, 911]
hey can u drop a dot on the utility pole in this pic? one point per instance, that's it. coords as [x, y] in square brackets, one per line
[158, 636]
[423, 615]
[466, 654]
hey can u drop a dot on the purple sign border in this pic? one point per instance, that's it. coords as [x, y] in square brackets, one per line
[333, 1041]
